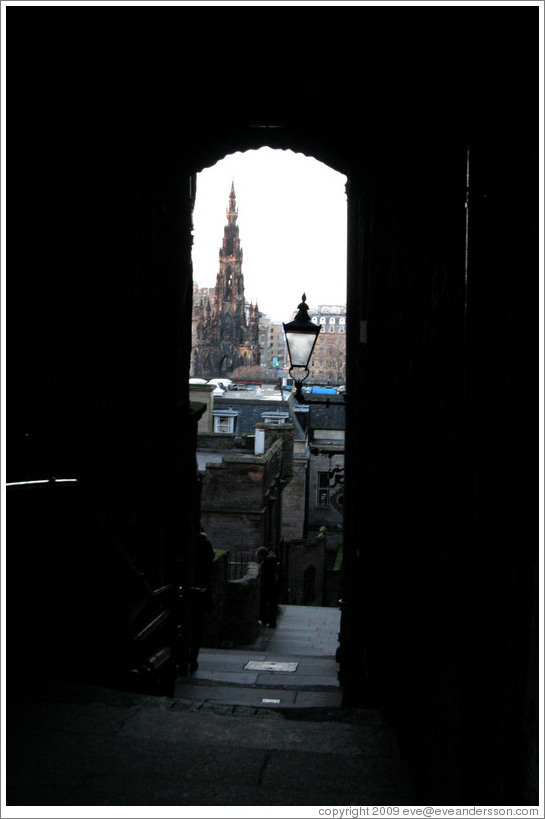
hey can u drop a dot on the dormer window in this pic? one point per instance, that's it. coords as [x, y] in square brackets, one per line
[276, 417]
[224, 421]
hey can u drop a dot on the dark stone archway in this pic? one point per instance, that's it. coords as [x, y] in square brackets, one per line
[440, 488]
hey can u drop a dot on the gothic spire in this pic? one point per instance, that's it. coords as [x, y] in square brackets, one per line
[232, 212]
[231, 242]
[229, 328]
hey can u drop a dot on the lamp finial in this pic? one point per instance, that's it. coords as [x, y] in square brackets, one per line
[302, 315]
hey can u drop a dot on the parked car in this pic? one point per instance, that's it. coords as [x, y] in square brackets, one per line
[221, 382]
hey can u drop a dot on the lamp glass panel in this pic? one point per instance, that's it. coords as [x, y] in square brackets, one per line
[300, 347]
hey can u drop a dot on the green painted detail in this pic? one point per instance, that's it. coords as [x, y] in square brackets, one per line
[338, 559]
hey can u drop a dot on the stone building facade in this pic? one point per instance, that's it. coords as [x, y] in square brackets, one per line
[328, 363]
[225, 328]
[272, 346]
[241, 488]
[201, 295]
[326, 477]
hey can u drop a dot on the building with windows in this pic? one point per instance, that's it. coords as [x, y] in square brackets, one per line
[310, 532]
[225, 328]
[326, 432]
[278, 350]
[264, 329]
[272, 346]
[331, 317]
[328, 364]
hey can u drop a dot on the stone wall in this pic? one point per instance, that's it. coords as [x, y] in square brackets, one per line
[294, 501]
[214, 620]
[234, 530]
[240, 626]
[442, 572]
[333, 576]
[325, 459]
[202, 393]
[305, 564]
[235, 507]
[283, 433]
[234, 615]
[240, 482]
[225, 441]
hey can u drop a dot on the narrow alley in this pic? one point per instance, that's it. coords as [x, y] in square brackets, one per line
[260, 725]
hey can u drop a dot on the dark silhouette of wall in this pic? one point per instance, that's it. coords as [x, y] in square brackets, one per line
[106, 131]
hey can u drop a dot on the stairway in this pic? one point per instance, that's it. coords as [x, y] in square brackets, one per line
[234, 734]
[292, 666]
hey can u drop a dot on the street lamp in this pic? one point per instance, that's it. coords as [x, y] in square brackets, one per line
[301, 336]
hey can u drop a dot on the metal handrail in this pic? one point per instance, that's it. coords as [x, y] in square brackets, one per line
[163, 590]
[151, 627]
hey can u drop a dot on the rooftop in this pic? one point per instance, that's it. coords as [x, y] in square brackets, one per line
[251, 408]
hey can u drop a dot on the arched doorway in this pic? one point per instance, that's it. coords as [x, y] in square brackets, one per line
[298, 205]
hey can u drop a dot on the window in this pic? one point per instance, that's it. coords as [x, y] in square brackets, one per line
[224, 424]
[322, 491]
[342, 320]
[332, 320]
[275, 417]
[322, 319]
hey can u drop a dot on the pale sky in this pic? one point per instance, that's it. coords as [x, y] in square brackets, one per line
[292, 228]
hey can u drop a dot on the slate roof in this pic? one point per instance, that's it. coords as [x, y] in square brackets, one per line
[326, 417]
[250, 412]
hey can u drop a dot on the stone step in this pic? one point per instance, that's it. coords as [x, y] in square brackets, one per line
[244, 668]
[262, 680]
[259, 696]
